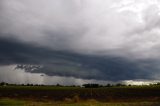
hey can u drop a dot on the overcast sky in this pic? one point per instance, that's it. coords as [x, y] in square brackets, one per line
[109, 40]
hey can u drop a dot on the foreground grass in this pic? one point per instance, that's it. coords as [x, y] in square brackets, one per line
[11, 102]
[16, 102]
[77, 96]
[105, 94]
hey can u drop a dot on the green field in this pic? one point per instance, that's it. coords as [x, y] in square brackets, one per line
[77, 96]
[14, 102]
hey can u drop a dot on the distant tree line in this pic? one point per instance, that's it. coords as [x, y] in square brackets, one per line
[29, 84]
[98, 85]
[115, 85]
[89, 85]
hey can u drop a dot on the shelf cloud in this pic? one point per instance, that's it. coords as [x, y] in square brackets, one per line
[102, 40]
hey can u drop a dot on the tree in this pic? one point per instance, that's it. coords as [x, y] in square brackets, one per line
[91, 85]
[3, 84]
[108, 85]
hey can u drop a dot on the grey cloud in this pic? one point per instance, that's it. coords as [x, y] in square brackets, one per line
[11, 75]
[86, 27]
[42, 60]
[83, 39]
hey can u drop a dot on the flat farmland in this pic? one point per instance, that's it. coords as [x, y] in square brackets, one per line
[104, 94]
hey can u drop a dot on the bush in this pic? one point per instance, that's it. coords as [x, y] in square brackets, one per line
[91, 85]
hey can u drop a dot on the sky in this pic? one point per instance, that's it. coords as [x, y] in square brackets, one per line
[49, 41]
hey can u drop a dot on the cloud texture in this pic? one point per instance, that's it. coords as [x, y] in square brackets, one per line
[83, 38]
[94, 27]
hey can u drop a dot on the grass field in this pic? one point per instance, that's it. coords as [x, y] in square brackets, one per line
[14, 102]
[77, 96]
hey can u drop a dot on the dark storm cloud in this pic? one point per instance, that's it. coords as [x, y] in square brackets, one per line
[14, 51]
[98, 39]
[42, 60]
[86, 27]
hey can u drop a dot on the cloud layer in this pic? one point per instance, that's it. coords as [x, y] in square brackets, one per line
[88, 27]
[82, 38]
[61, 63]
